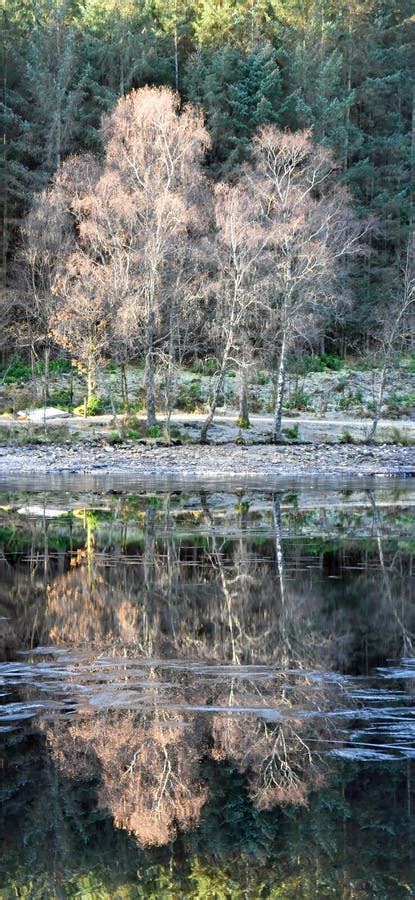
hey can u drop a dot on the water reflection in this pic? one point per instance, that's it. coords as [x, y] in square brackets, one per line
[176, 657]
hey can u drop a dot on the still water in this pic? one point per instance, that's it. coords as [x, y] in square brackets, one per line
[207, 694]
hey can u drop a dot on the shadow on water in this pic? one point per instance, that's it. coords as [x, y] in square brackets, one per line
[207, 693]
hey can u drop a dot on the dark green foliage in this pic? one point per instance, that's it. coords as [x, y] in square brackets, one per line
[15, 370]
[154, 431]
[239, 92]
[236, 851]
[190, 396]
[56, 366]
[291, 433]
[61, 399]
[208, 366]
[260, 377]
[313, 363]
[299, 399]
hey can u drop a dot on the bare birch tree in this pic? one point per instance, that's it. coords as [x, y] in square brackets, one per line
[238, 248]
[83, 320]
[153, 158]
[310, 229]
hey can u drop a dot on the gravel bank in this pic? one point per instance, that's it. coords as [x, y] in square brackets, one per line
[190, 462]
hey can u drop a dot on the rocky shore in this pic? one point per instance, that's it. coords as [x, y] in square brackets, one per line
[194, 462]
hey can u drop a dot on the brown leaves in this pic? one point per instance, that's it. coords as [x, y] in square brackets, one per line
[153, 145]
[81, 320]
[131, 219]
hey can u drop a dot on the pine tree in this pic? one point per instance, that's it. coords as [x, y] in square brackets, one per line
[238, 93]
[16, 152]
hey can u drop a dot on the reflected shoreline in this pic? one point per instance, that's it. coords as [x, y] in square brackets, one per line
[159, 646]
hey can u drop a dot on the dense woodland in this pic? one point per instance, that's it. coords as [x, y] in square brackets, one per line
[285, 218]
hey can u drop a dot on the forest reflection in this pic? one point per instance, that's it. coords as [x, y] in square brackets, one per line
[155, 634]
[248, 580]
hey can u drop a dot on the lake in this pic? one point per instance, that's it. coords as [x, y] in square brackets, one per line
[207, 693]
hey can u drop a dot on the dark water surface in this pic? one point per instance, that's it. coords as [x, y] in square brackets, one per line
[207, 694]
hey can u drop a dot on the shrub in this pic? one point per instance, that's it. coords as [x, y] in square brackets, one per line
[133, 434]
[190, 397]
[61, 399]
[407, 400]
[401, 437]
[332, 362]
[299, 399]
[341, 385]
[399, 404]
[208, 366]
[15, 370]
[154, 431]
[56, 366]
[94, 406]
[260, 377]
[313, 363]
[291, 433]
[137, 405]
[347, 438]
[114, 438]
[350, 399]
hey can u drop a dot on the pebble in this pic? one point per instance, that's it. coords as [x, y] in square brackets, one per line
[231, 461]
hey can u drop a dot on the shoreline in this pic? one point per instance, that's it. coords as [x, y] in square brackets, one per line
[211, 463]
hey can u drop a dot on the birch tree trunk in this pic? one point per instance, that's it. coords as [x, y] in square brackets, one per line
[169, 377]
[243, 418]
[124, 388]
[150, 382]
[279, 394]
[218, 387]
[378, 404]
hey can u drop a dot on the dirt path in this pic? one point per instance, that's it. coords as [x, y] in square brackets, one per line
[224, 428]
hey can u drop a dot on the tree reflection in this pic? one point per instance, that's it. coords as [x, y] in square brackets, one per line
[149, 763]
[217, 593]
[234, 588]
[147, 767]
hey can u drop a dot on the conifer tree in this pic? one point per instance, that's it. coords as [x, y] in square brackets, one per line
[238, 92]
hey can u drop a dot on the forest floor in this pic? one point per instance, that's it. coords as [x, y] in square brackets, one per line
[339, 396]
[325, 426]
